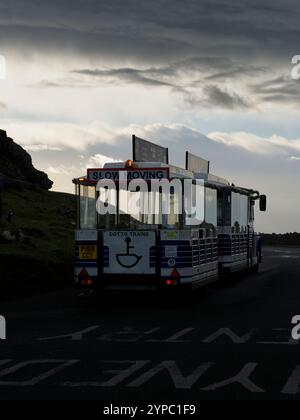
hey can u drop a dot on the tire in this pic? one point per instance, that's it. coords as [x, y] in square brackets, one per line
[100, 295]
[254, 269]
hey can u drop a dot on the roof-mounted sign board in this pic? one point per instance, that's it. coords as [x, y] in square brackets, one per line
[196, 164]
[145, 151]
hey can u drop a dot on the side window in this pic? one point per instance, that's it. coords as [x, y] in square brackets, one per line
[88, 219]
[227, 208]
[239, 212]
[211, 206]
[220, 208]
[77, 194]
[106, 208]
[194, 205]
[173, 216]
[244, 212]
[252, 206]
[235, 211]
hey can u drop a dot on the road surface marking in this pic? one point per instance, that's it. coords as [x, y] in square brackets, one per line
[124, 335]
[292, 386]
[130, 334]
[120, 375]
[288, 340]
[37, 379]
[242, 378]
[174, 338]
[227, 332]
[180, 382]
[75, 336]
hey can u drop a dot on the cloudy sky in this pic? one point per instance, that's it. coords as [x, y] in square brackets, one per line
[213, 77]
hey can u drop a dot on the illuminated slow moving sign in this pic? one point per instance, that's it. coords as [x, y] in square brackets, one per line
[95, 175]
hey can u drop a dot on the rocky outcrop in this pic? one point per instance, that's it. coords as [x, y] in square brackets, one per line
[16, 165]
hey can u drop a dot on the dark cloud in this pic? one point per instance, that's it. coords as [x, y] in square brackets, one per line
[237, 70]
[211, 95]
[154, 30]
[280, 89]
[214, 96]
[180, 44]
[189, 71]
[146, 77]
[219, 97]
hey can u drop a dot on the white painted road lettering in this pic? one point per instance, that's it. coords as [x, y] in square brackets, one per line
[119, 375]
[292, 386]
[175, 337]
[62, 364]
[180, 381]
[242, 378]
[231, 335]
[75, 336]
[282, 338]
[129, 334]
[182, 378]
[178, 374]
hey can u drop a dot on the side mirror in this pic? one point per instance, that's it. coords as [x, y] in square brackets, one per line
[263, 203]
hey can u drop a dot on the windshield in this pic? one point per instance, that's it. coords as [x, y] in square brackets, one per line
[136, 209]
[125, 209]
[139, 210]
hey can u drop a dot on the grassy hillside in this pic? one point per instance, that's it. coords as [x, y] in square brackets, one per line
[41, 258]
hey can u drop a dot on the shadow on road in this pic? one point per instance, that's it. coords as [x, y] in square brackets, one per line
[168, 299]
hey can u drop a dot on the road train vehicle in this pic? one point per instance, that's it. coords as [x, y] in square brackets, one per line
[169, 248]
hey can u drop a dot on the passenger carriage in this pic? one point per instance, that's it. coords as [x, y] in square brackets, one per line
[158, 250]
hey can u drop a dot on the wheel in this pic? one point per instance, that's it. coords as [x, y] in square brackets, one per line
[100, 295]
[254, 269]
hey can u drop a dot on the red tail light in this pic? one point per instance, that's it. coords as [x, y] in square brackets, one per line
[171, 282]
[87, 282]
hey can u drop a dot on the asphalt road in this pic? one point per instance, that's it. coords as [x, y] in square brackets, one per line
[228, 341]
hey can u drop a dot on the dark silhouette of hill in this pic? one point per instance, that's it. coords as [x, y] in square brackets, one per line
[16, 166]
[36, 227]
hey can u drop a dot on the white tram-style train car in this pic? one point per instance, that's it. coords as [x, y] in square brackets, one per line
[145, 250]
